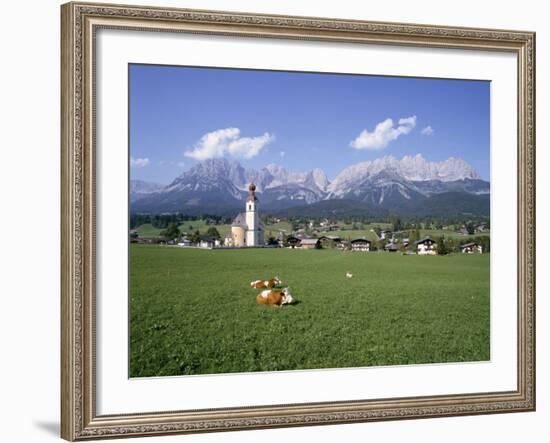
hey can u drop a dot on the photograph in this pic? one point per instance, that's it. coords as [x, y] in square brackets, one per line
[288, 220]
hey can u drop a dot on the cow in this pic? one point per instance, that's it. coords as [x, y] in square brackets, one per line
[349, 275]
[267, 284]
[276, 297]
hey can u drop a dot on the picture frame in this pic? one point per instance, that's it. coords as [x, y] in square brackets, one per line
[80, 23]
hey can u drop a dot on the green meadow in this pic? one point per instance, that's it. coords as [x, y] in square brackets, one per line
[193, 311]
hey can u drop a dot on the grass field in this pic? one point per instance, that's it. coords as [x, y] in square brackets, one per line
[193, 311]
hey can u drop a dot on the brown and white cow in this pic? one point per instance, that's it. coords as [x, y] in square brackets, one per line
[277, 297]
[268, 284]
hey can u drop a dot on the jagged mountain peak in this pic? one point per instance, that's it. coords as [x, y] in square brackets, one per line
[411, 168]
[387, 182]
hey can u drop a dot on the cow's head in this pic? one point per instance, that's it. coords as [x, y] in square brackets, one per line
[277, 280]
[287, 297]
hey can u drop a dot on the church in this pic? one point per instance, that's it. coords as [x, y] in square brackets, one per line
[247, 229]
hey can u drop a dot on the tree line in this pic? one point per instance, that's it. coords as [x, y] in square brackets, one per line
[162, 221]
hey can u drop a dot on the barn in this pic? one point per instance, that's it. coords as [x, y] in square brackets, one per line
[310, 243]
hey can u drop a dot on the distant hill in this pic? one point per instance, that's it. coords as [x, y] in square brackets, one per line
[332, 209]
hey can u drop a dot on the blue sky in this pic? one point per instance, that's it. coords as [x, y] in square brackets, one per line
[180, 115]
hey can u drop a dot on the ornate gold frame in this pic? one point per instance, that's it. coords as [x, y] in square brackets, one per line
[79, 420]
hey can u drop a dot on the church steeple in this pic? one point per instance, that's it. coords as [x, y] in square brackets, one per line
[254, 234]
[252, 193]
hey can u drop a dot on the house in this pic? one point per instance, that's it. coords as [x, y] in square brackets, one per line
[206, 242]
[310, 243]
[228, 240]
[391, 247]
[292, 241]
[360, 244]
[134, 236]
[329, 240]
[185, 242]
[482, 228]
[426, 246]
[471, 248]
[463, 231]
[247, 229]
[384, 234]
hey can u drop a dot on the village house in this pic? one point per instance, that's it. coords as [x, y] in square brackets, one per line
[185, 242]
[329, 240]
[384, 234]
[293, 242]
[471, 248]
[343, 245]
[426, 246]
[228, 240]
[206, 243]
[247, 229]
[310, 243]
[482, 228]
[391, 247]
[463, 230]
[360, 244]
[333, 227]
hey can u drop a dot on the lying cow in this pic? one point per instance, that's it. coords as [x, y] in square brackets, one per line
[275, 297]
[268, 284]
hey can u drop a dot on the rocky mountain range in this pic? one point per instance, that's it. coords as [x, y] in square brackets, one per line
[385, 184]
[140, 188]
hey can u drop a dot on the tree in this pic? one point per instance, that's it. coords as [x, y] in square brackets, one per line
[470, 228]
[272, 241]
[397, 225]
[441, 246]
[414, 236]
[381, 244]
[195, 237]
[171, 232]
[213, 232]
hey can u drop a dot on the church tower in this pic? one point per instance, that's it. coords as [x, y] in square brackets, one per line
[254, 231]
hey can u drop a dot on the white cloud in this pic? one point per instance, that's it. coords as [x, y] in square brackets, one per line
[180, 164]
[228, 141]
[428, 130]
[282, 153]
[384, 133]
[139, 162]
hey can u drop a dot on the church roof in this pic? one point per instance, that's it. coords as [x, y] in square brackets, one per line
[239, 221]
